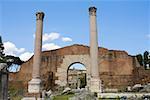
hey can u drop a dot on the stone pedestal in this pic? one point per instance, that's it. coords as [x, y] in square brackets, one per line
[34, 86]
[95, 85]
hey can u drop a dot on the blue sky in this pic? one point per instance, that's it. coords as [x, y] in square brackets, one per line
[77, 66]
[122, 24]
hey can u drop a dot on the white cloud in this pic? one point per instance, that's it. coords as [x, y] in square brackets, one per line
[51, 36]
[66, 39]
[50, 46]
[33, 35]
[26, 56]
[11, 49]
[148, 36]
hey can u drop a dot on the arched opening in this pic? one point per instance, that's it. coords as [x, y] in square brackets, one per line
[76, 75]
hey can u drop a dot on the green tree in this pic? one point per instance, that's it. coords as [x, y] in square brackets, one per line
[8, 58]
[146, 59]
[5, 63]
[1, 49]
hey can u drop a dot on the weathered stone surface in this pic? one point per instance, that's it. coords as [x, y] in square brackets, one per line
[67, 89]
[117, 69]
[34, 86]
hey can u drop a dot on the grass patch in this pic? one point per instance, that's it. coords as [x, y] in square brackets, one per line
[16, 98]
[63, 97]
[15, 94]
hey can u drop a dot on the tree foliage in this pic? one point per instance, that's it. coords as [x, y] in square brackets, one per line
[8, 59]
[144, 60]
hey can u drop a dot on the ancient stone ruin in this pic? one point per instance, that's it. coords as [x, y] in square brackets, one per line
[117, 69]
[105, 69]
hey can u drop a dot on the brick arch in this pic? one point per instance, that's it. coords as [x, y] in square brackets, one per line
[73, 64]
[68, 60]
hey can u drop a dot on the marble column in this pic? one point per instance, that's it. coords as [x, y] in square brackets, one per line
[95, 80]
[34, 84]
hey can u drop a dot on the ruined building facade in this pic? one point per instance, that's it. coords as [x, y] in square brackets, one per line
[117, 69]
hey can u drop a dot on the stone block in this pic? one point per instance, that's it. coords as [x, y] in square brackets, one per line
[95, 85]
[34, 86]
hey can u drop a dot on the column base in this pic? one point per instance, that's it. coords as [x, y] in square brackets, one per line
[34, 86]
[95, 85]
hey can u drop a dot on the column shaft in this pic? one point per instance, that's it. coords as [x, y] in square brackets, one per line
[37, 49]
[93, 44]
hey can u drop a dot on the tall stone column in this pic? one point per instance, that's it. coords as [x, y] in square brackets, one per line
[95, 80]
[34, 84]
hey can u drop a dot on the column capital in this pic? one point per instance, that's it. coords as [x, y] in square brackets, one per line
[92, 11]
[39, 15]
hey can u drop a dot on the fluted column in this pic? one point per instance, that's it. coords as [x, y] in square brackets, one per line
[34, 84]
[95, 80]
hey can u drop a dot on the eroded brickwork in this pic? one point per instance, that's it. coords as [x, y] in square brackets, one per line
[117, 69]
